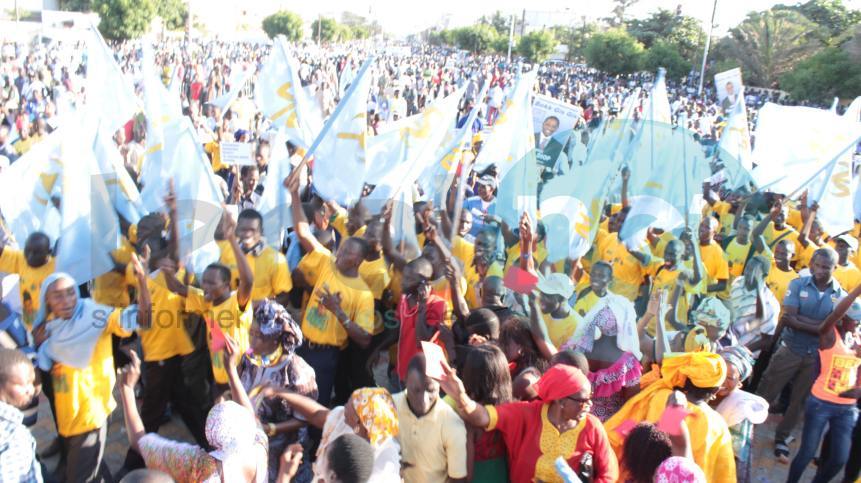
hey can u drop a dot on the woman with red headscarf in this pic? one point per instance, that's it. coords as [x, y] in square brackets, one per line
[536, 433]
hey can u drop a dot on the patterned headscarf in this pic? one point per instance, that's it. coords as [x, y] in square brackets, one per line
[741, 358]
[377, 413]
[277, 324]
[228, 430]
[677, 469]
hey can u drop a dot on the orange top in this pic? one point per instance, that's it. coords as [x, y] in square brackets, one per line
[839, 372]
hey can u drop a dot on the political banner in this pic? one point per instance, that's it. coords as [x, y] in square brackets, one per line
[554, 121]
[236, 153]
[729, 88]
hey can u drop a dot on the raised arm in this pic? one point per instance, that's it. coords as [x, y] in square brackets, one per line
[231, 356]
[539, 332]
[129, 376]
[173, 223]
[626, 176]
[312, 411]
[246, 276]
[144, 299]
[458, 301]
[300, 224]
[809, 215]
[470, 411]
[392, 255]
[839, 311]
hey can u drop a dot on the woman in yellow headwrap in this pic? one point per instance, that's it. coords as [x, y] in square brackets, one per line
[698, 375]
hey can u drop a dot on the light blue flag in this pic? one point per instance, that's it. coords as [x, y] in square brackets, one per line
[89, 226]
[506, 145]
[275, 203]
[437, 177]
[518, 190]
[236, 82]
[122, 189]
[571, 207]
[109, 93]
[408, 151]
[348, 75]
[669, 196]
[160, 109]
[198, 197]
[403, 225]
[339, 150]
[280, 96]
[27, 185]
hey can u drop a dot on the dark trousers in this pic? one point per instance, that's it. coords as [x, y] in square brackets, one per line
[353, 372]
[85, 457]
[183, 386]
[324, 360]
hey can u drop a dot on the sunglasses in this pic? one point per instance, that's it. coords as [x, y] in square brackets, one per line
[578, 400]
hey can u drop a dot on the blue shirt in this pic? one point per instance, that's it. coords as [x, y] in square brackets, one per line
[474, 206]
[810, 302]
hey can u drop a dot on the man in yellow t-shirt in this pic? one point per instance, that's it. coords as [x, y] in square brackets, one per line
[269, 267]
[630, 268]
[32, 266]
[112, 288]
[341, 307]
[781, 272]
[227, 313]
[714, 260]
[738, 249]
[562, 322]
[846, 272]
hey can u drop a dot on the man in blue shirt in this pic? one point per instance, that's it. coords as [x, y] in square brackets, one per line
[807, 303]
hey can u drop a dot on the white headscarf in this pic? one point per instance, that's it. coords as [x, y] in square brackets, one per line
[72, 341]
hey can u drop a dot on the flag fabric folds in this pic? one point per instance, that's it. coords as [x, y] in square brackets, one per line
[339, 150]
[280, 96]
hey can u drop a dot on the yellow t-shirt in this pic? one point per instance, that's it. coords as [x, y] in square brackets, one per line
[560, 330]
[513, 254]
[725, 216]
[233, 320]
[441, 289]
[83, 397]
[321, 326]
[271, 274]
[793, 219]
[778, 281]
[375, 273]
[111, 288]
[214, 149]
[166, 336]
[665, 238]
[736, 255]
[464, 251]
[628, 272]
[848, 276]
[666, 278]
[772, 236]
[340, 224]
[585, 303]
[802, 260]
[716, 266]
[30, 284]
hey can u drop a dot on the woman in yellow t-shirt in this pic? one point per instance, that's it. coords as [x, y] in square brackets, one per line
[73, 339]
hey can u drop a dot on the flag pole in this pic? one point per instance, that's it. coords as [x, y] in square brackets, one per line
[706, 50]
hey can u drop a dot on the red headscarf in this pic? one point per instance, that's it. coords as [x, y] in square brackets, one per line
[560, 381]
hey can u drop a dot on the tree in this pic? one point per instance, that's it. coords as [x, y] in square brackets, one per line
[500, 45]
[537, 46]
[770, 43]
[173, 12]
[283, 23]
[124, 19]
[76, 5]
[622, 6]
[475, 38]
[680, 30]
[828, 74]
[665, 54]
[575, 38]
[615, 52]
[324, 29]
[830, 15]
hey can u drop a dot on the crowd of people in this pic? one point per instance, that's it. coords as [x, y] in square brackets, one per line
[318, 358]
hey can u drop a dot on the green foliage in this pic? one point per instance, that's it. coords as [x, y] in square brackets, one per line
[830, 15]
[619, 11]
[500, 45]
[283, 23]
[325, 29]
[124, 19]
[499, 23]
[76, 5]
[682, 31]
[615, 52]
[823, 76]
[475, 38]
[575, 38]
[537, 46]
[173, 12]
[667, 55]
[768, 44]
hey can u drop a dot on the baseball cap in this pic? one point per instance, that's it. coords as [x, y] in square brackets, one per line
[849, 240]
[556, 284]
